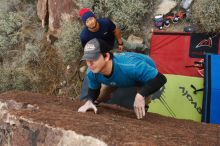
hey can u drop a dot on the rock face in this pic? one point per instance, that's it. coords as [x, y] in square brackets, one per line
[20, 131]
[34, 119]
[165, 7]
[135, 39]
[52, 11]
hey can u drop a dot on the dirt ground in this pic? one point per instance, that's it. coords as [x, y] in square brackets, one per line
[114, 125]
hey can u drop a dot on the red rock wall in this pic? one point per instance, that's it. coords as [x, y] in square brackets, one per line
[52, 11]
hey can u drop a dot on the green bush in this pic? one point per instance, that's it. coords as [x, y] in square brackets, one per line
[14, 79]
[9, 5]
[10, 24]
[27, 61]
[68, 43]
[44, 67]
[31, 53]
[18, 26]
[206, 15]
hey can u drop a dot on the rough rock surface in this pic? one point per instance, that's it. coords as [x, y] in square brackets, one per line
[34, 119]
[165, 7]
[135, 39]
[52, 11]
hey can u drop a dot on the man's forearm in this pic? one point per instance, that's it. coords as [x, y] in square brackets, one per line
[153, 85]
[117, 34]
[92, 94]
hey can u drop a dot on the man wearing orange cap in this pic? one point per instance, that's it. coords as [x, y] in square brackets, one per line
[105, 29]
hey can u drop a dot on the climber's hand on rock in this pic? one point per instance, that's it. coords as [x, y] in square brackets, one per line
[139, 106]
[87, 106]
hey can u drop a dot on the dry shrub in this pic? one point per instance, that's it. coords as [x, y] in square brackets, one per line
[13, 79]
[69, 47]
[46, 72]
[206, 15]
[69, 44]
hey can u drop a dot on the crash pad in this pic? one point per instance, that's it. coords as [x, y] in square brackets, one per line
[211, 105]
[177, 98]
[171, 53]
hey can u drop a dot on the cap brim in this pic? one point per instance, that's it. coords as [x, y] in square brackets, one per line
[90, 56]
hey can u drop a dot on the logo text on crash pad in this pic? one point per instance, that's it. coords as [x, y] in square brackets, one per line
[186, 94]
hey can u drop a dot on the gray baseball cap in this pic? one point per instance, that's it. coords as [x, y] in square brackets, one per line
[93, 48]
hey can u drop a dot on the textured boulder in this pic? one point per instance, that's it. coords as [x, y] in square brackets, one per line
[165, 7]
[135, 39]
[51, 12]
[34, 119]
[18, 129]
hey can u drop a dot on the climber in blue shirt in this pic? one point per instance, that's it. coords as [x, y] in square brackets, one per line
[107, 72]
